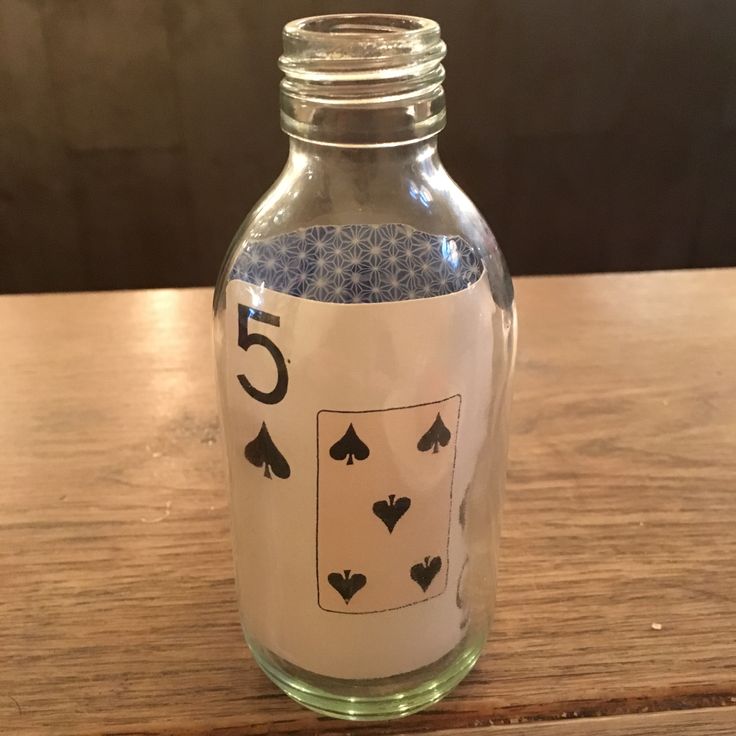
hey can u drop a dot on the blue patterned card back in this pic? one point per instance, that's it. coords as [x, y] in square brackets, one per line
[354, 264]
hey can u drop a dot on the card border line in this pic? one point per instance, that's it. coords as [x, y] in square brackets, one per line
[449, 524]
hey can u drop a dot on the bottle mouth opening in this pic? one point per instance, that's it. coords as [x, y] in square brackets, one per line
[360, 24]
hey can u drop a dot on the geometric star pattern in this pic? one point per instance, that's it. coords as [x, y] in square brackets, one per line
[354, 264]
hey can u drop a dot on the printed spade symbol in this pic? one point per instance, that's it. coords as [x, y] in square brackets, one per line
[349, 446]
[263, 453]
[389, 512]
[347, 584]
[435, 436]
[423, 573]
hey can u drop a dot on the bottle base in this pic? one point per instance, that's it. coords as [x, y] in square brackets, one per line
[375, 699]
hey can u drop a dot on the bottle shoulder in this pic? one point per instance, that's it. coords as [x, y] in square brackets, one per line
[417, 198]
[430, 201]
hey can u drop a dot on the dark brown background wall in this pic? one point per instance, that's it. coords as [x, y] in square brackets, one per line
[136, 134]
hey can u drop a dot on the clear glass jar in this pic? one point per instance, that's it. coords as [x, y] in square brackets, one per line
[365, 340]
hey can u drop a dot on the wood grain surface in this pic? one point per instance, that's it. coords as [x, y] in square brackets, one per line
[703, 722]
[117, 605]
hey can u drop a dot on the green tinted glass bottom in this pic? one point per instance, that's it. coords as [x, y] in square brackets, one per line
[374, 699]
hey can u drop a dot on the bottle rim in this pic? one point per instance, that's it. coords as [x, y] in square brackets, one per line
[360, 46]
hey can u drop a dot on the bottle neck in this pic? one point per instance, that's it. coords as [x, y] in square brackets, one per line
[414, 158]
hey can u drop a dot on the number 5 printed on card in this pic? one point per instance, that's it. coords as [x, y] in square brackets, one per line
[247, 340]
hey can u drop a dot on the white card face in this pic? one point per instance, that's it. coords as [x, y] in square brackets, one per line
[387, 476]
[348, 544]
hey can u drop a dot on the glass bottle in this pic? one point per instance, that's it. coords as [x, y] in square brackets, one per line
[365, 340]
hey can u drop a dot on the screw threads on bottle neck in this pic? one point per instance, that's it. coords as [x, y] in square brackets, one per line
[362, 80]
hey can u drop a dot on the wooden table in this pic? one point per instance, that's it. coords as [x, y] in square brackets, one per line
[117, 606]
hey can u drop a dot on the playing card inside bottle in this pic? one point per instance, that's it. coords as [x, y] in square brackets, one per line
[354, 431]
